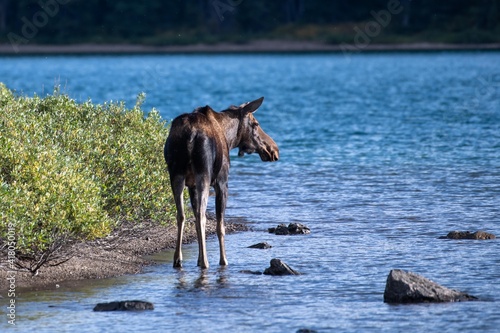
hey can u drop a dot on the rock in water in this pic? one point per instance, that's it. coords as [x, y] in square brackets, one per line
[291, 229]
[278, 267]
[281, 229]
[480, 235]
[124, 306]
[298, 229]
[408, 287]
[263, 246]
[247, 271]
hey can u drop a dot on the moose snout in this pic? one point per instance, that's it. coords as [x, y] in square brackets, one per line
[271, 152]
[275, 156]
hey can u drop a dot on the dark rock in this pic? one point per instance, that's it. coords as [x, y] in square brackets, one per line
[282, 229]
[278, 267]
[298, 229]
[291, 229]
[468, 235]
[124, 306]
[264, 245]
[247, 271]
[306, 330]
[408, 287]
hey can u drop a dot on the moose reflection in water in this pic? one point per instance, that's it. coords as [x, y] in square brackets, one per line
[197, 156]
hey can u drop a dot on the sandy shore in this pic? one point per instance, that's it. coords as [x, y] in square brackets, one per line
[261, 46]
[118, 254]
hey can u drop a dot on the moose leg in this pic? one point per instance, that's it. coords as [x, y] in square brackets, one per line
[220, 207]
[202, 189]
[177, 189]
[193, 195]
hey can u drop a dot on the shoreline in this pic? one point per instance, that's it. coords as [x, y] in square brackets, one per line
[121, 253]
[259, 46]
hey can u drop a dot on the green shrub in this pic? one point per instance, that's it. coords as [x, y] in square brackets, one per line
[78, 170]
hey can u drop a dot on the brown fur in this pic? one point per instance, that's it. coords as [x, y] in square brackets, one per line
[197, 156]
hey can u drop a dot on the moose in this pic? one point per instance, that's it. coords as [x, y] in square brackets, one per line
[197, 155]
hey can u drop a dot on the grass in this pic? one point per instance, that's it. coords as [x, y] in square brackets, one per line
[454, 33]
[331, 34]
[72, 170]
[347, 32]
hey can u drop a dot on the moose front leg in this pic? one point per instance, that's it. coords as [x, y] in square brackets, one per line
[221, 190]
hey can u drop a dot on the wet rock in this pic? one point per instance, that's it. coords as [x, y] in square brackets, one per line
[298, 229]
[408, 287]
[263, 246]
[124, 306]
[468, 235]
[291, 229]
[306, 330]
[278, 267]
[282, 229]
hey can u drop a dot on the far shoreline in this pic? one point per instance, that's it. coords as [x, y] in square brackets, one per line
[259, 46]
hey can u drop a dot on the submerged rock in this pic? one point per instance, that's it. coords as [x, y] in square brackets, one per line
[263, 246]
[408, 287]
[278, 267]
[291, 229]
[124, 306]
[247, 271]
[481, 235]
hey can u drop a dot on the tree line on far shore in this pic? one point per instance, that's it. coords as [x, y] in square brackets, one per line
[192, 21]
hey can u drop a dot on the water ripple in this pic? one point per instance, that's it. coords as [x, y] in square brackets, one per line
[379, 157]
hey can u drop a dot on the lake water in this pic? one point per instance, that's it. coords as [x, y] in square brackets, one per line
[380, 155]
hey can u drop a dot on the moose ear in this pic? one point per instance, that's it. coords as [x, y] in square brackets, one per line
[252, 106]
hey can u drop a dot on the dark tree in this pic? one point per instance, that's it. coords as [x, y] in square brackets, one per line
[156, 20]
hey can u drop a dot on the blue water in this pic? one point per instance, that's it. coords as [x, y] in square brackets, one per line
[380, 155]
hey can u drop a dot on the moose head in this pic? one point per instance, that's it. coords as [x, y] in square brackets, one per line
[252, 136]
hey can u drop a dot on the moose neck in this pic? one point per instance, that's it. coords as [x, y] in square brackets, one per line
[230, 125]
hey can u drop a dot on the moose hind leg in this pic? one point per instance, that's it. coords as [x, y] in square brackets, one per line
[177, 189]
[193, 196]
[220, 207]
[202, 191]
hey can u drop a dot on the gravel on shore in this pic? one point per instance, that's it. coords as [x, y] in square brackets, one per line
[258, 46]
[118, 254]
